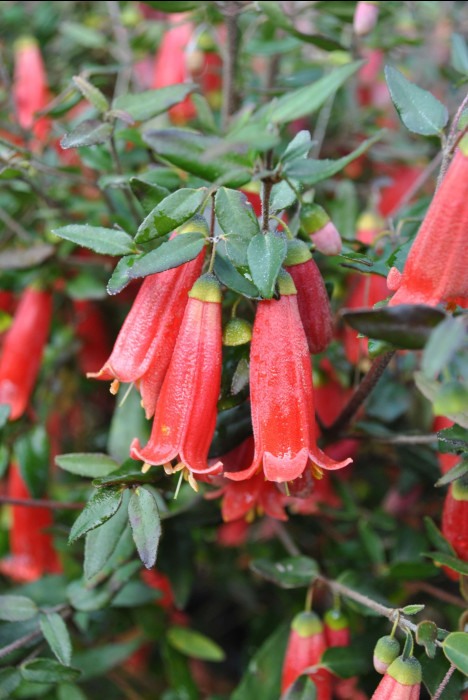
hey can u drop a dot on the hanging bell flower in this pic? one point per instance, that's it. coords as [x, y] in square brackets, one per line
[402, 681]
[306, 645]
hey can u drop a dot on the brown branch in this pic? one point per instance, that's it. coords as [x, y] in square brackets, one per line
[230, 97]
[40, 503]
[360, 395]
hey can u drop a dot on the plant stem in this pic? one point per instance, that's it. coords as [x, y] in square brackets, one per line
[444, 683]
[451, 141]
[40, 503]
[123, 49]
[360, 395]
[18, 643]
[230, 11]
[267, 184]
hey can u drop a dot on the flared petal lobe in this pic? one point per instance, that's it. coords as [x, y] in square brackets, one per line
[437, 266]
[21, 354]
[185, 415]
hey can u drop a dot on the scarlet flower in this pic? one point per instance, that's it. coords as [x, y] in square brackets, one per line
[436, 268]
[455, 521]
[30, 91]
[91, 331]
[32, 552]
[22, 350]
[306, 645]
[185, 415]
[282, 400]
[312, 297]
[242, 498]
[147, 338]
[402, 680]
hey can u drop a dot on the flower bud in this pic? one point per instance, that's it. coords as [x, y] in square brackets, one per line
[316, 223]
[385, 652]
[336, 628]
[365, 18]
[237, 331]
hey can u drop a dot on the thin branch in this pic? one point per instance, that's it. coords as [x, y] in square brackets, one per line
[436, 593]
[14, 226]
[40, 503]
[321, 126]
[393, 440]
[419, 182]
[452, 141]
[444, 683]
[123, 49]
[267, 184]
[360, 395]
[230, 98]
[285, 538]
[21, 642]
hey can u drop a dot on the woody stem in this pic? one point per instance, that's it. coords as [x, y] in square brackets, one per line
[267, 184]
[360, 395]
[40, 503]
[230, 11]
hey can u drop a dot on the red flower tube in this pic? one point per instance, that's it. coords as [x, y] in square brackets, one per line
[30, 91]
[22, 350]
[402, 681]
[91, 331]
[306, 645]
[455, 521]
[281, 393]
[185, 415]
[312, 297]
[32, 551]
[436, 268]
[147, 338]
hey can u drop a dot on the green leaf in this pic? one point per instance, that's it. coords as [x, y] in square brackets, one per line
[455, 648]
[426, 635]
[10, 678]
[293, 572]
[129, 473]
[149, 194]
[91, 93]
[16, 608]
[311, 171]
[459, 53]
[298, 148]
[277, 16]
[56, 634]
[85, 286]
[194, 644]
[146, 105]
[444, 341]
[451, 399]
[86, 599]
[412, 609]
[173, 211]
[372, 542]
[265, 255]
[283, 196]
[121, 275]
[231, 278]
[88, 464]
[178, 673]
[309, 99]
[172, 253]
[78, 33]
[5, 410]
[405, 326]
[108, 241]
[101, 542]
[447, 560]
[436, 537]
[128, 422]
[346, 662]
[174, 5]
[187, 150]
[235, 213]
[101, 506]
[302, 689]
[454, 439]
[418, 109]
[48, 671]
[32, 454]
[99, 660]
[90, 132]
[262, 680]
[453, 474]
[144, 518]
[134, 594]
[430, 388]
[70, 691]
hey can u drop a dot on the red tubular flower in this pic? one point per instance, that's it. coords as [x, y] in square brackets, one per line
[32, 551]
[91, 331]
[282, 401]
[22, 350]
[185, 415]
[312, 297]
[30, 91]
[402, 681]
[336, 628]
[170, 65]
[455, 521]
[436, 268]
[306, 645]
[147, 338]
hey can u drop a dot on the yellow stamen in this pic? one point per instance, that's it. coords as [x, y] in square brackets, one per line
[192, 481]
[317, 472]
[145, 468]
[114, 387]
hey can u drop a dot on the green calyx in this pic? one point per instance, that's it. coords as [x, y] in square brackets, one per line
[298, 253]
[313, 217]
[405, 671]
[460, 489]
[197, 224]
[286, 285]
[335, 619]
[206, 288]
[237, 331]
[306, 624]
[387, 649]
[463, 145]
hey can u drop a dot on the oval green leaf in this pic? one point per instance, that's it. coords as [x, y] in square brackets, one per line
[194, 644]
[107, 241]
[101, 506]
[48, 671]
[56, 634]
[89, 133]
[173, 253]
[90, 464]
[418, 109]
[16, 608]
[144, 518]
[173, 211]
[455, 648]
[293, 572]
[265, 255]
